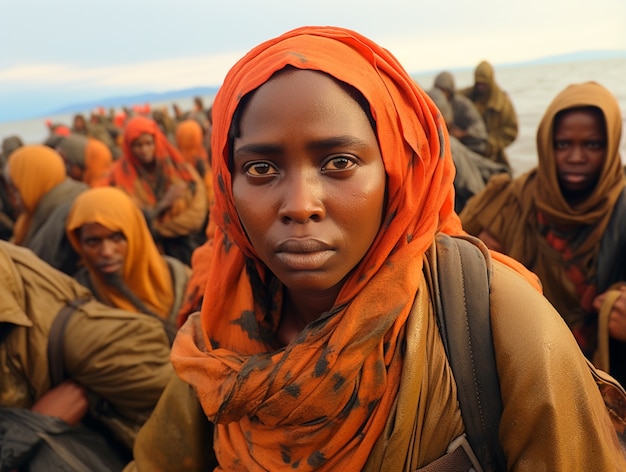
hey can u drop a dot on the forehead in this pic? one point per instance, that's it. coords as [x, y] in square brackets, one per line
[144, 138]
[590, 116]
[302, 94]
[95, 230]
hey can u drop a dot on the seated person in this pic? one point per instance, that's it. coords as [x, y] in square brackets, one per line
[168, 190]
[566, 219]
[115, 363]
[122, 265]
[466, 125]
[36, 176]
[472, 169]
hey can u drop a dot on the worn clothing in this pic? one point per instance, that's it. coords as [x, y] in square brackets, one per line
[46, 236]
[329, 398]
[145, 271]
[426, 416]
[38, 173]
[497, 111]
[179, 228]
[534, 223]
[116, 355]
[34, 170]
[180, 277]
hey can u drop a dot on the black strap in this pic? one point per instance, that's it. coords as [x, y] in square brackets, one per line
[461, 296]
[56, 364]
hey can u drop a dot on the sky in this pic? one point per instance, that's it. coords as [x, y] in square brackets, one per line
[64, 52]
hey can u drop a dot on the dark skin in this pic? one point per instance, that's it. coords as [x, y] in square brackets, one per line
[144, 148]
[309, 187]
[580, 152]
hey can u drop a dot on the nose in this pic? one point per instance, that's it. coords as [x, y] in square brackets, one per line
[577, 155]
[107, 248]
[302, 198]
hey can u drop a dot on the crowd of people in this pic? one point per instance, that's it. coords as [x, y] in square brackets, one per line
[249, 285]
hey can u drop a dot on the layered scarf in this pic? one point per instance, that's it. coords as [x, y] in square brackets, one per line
[34, 170]
[537, 226]
[129, 173]
[145, 271]
[321, 402]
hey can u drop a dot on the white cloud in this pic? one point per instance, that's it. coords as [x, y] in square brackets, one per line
[168, 74]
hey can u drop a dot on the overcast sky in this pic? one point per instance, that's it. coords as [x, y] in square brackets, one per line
[61, 52]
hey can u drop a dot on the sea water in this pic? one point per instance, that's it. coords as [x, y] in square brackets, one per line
[531, 88]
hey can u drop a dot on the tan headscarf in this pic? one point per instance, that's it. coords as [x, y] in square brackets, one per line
[145, 271]
[508, 210]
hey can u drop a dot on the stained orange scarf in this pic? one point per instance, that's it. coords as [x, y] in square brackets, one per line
[34, 170]
[145, 271]
[321, 402]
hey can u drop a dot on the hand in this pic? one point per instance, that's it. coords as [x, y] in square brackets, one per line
[173, 193]
[490, 241]
[617, 317]
[67, 401]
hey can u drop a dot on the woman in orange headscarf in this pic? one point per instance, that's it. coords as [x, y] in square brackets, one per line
[45, 194]
[123, 266]
[317, 346]
[565, 219]
[169, 191]
[190, 142]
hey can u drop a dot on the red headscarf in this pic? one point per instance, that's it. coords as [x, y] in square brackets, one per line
[125, 172]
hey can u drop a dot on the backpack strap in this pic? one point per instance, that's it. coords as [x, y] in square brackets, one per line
[461, 297]
[56, 365]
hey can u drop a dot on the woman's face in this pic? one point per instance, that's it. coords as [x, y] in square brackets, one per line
[308, 180]
[143, 148]
[580, 151]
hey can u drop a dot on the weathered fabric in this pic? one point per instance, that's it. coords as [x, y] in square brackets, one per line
[145, 271]
[497, 111]
[116, 355]
[187, 214]
[33, 170]
[329, 400]
[524, 214]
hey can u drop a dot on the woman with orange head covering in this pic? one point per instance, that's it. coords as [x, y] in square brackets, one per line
[317, 346]
[123, 266]
[169, 191]
[38, 175]
[190, 143]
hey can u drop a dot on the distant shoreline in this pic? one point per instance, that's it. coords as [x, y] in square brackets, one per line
[129, 100]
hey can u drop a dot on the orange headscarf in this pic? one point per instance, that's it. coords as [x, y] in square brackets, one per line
[145, 271]
[34, 170]
[321, 402]
[190, 143]
[127, 169]
[98, 161]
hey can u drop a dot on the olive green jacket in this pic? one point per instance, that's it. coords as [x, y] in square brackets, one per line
[119, 357]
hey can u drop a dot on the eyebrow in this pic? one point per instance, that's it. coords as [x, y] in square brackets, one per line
[321, 144]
